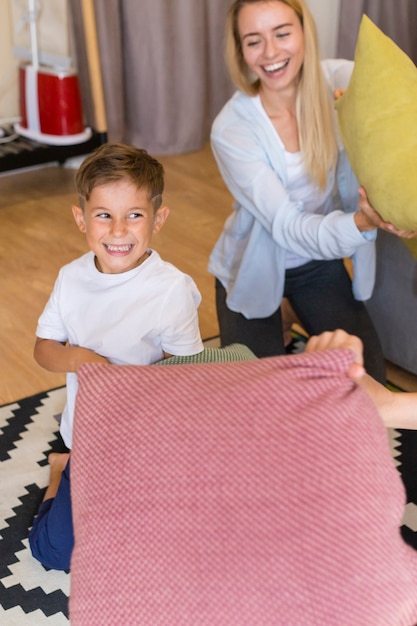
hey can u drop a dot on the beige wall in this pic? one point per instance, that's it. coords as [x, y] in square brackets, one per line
[326, 14]
[8, 87]
[52, 34]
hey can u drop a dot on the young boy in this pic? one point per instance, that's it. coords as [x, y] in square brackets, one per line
[119, 303]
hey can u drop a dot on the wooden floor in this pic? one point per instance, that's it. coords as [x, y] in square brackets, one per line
[38, 235]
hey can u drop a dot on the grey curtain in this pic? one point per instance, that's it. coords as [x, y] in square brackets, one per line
[163, 70]
[396, 18]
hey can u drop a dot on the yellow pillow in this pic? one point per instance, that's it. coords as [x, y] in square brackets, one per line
[378, 125]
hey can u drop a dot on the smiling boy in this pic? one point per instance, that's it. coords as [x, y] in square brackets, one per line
[119, 303]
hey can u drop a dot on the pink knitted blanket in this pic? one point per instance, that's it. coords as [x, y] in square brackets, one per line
[260, 493]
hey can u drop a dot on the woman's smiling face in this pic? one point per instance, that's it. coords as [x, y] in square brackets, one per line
[272, 43]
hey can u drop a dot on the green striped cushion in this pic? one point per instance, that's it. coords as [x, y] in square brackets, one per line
[234, 352]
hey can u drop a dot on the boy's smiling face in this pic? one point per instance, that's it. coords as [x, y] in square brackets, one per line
[118, 221]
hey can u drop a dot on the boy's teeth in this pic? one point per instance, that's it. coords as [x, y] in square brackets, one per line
[119, 248]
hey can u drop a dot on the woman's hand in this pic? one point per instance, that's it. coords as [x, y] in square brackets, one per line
[366, 218]
[397, 409]
[332, 340]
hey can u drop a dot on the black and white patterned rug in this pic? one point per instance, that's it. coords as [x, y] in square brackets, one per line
[33, 596]
[29, 594]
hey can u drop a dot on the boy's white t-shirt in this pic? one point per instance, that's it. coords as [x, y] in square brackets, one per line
[130, 318]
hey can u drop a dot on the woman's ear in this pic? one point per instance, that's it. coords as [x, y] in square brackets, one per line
[160, 218]
[78, 214]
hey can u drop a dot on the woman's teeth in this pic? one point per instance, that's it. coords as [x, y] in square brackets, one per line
[275, 66]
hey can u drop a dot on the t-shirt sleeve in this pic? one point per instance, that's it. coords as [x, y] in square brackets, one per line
[180, 333]
[50, 324]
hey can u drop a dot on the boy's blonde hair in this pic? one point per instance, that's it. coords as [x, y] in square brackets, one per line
[314, 107]
[113, 162]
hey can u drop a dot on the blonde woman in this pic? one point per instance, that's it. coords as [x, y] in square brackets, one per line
[298, 208]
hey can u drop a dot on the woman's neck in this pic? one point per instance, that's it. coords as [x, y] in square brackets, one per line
[278, 103]
[280, 109]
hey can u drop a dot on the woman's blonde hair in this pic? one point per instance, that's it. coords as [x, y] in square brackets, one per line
[314, 107]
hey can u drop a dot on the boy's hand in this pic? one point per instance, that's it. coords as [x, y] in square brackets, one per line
[62, 358]
[331, 340]
[80, 356]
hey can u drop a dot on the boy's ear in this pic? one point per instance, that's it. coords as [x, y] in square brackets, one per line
[160, 218]
[78, 214]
